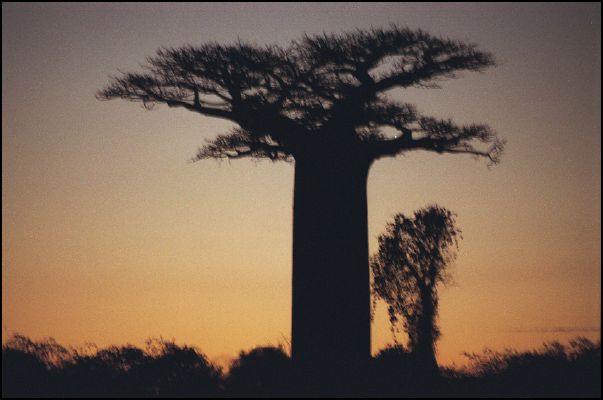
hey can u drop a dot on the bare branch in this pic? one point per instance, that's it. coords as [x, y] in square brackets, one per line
[329, 86]
[381, 59]
[441, 136]
[150, 90]
[240, 144]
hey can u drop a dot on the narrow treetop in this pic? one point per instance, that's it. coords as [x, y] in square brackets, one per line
[326, 92]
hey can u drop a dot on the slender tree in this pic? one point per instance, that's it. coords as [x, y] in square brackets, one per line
[320, 102]
[412, 262]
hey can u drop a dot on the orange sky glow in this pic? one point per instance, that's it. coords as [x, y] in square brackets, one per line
[110, 235]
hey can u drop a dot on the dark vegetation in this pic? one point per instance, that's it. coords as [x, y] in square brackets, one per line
[165, 369]
[413, 260]
[325, 102]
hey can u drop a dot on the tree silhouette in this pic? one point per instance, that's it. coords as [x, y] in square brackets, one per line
[164, 369]
[322, 103]
[260, 372]
[413, 259]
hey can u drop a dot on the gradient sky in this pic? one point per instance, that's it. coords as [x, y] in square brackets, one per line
[110, 236]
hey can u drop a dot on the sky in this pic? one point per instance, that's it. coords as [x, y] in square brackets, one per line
[110, 235]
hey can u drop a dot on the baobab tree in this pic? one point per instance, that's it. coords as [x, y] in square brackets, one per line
[322, 103]
[413, 261]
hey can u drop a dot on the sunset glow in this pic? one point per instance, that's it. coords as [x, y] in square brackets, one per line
[110, 235]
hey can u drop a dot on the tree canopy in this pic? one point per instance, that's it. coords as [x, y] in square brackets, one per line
[325, 92]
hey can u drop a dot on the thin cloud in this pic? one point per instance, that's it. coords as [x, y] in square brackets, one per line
[561, 329]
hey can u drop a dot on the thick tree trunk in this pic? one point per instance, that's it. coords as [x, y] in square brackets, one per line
[426, 341]
[331, 294]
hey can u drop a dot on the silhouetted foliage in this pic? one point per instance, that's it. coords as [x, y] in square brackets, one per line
[394, 372]
[413, 259]
[322, 89]
[323, 102]
[164, 369]
[109, 372]
[554, 370]
[24, 374]
[30, 368]
[261, 372]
